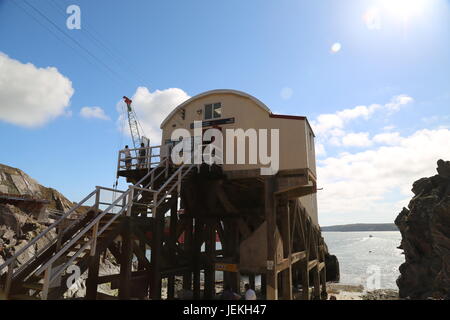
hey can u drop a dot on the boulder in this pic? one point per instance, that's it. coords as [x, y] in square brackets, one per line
[332, 263]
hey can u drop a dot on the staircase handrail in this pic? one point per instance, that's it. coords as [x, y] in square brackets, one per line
[12, 259]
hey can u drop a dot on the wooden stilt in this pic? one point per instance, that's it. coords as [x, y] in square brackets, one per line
[286, 275]
[92, 280]
[270, 212]
[155, 282]
[196, 258]
[263, 285]
[188, 246]
[323, 272]
[305, 279]
[251, 281]
[210, 290]
[316, 277]
[172, 245]
[125, 264]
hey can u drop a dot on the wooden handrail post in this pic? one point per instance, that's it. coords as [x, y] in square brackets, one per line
[179, 181]
[46, 285]
[152, 179]
[59, 240]
[94, 238]
[155, 200]
[97, 199]
[9, 277]
[130, 201]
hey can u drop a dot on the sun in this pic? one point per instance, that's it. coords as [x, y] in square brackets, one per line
[405, 9]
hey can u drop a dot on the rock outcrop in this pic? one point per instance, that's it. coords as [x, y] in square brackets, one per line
[20, 222]
[425, 229]
[332, 263]
[14, 181]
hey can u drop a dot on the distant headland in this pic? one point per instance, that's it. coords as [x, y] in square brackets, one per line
[362, 227]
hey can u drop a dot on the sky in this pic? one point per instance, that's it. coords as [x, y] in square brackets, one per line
[372, 76]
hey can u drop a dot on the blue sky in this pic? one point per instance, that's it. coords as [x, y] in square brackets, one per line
[393, 56]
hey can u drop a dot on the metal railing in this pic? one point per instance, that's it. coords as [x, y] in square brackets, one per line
[53, 233]
[140, 158]
[124, 202]
[166, 189]
[114, 209]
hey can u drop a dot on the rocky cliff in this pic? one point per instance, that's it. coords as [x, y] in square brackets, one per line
[425, 229]
[26, 208]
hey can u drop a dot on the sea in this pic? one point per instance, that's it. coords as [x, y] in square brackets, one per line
[370, 259]
[367, 259]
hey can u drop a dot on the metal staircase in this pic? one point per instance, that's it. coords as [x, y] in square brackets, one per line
[72, 241]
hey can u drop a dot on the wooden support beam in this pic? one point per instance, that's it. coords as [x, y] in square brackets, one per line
[155, 275]
[263, 285]
[297, 256]
[270, 213]
[209, 284]
[235, 277]
[312, 264]
[188, 246]
[196, 257]
[316, 277]
[125, 263]
[305, 279]
[115, 251]
[282, 265]
[142, 259]
[251, 280]
[172, 244]
[141, 248]
[321, 266]
[323, 270]
[286, 275]
[92, 280]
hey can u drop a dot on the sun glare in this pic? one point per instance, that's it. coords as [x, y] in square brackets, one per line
[405, 8]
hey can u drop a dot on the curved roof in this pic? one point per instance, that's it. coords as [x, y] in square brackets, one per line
[217, 91]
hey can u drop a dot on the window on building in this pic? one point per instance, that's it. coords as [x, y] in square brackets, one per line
[213, 111]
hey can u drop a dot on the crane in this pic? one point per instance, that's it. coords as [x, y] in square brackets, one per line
[133, 123]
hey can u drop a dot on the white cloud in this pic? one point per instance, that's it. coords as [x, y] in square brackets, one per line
[327, 123]
[320, 150]
[356, 140]
[151, 108]
[398, 102]
[332, 125]
[390, 138]
[31, 96]
[93, 112]
[389, 128]
[362, 186]
[436, 119]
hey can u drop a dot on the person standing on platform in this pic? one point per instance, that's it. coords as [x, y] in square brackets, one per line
[249, 293]
[127, 154]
